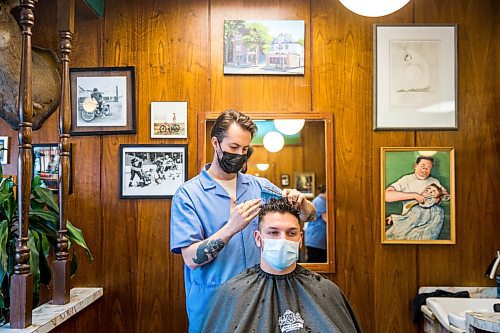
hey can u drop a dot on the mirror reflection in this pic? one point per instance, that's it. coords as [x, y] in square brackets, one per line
[292, 155]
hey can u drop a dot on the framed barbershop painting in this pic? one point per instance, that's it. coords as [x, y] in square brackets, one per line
[415, 79]
[264, 47]
[418, 195]
[152, 171]
[46, 165]
[102, 100]
[169, 120]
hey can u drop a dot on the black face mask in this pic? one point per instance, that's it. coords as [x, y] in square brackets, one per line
[231, 163]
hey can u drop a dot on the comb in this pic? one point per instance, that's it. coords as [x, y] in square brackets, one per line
[269, 193]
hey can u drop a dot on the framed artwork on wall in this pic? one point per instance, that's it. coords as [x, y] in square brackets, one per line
[152, 171]
[169, 120]
[305, 183]
[418, 195]
[264, 47]
[102, 100]
[415, 81]
[285, 180]
[4, 150]
[46, 165]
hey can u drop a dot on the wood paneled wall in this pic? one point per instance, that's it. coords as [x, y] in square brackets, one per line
[176, 47]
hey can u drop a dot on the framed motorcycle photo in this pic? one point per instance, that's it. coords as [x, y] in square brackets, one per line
[102, 100]
[169, 120]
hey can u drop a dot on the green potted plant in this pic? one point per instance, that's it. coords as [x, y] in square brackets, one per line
[42, 233]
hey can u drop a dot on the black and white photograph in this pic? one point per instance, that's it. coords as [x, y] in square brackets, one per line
[102, 100]
[305, 183]
[415, 81]
[4, 150]
[46, 165]
[152, 171]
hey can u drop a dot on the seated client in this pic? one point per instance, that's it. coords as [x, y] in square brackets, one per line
[278, 295]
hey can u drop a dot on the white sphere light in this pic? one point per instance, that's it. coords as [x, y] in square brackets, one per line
[274, 142]
[374, 8]
[262, 166]
[289, 126]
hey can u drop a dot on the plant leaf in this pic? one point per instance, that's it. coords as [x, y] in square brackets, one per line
[34, 264]
[45, 271]
[76, 236]
[4, 257]
[47, 197]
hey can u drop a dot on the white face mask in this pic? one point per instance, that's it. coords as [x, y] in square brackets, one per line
[280, 253]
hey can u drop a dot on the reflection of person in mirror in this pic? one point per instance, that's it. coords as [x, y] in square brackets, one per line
[410, 187]
[419, 221]
[52, 166]
[214, 215]
[315, 233]
[277, 294]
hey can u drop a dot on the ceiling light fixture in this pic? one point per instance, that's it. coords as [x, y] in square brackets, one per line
[289, 126]
[273, 142]
[374, 8]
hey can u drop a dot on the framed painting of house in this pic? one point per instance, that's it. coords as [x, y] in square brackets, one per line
[269, 47]
[418, 195]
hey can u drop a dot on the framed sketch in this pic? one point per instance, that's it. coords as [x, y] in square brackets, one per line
[46, 165]
[415, 77]
[102, 100]
[4, 150]
[152, 171]
[169, 120]
[269, 47]
[418, 195]
[285, 180]
[305, 183]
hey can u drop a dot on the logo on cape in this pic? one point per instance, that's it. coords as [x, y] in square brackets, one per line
[290, 321]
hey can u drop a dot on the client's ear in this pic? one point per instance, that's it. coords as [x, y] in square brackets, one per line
[258, 238]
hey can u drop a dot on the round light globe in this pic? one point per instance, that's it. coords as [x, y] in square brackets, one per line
[273, 142]
[262, 166]
[374, 8]
[289, 126]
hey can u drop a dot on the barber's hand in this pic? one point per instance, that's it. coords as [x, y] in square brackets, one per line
[241, 215]
[295, 197]
[420, 198]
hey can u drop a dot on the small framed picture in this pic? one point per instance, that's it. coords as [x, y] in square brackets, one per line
[4, 150]
[102, 100]
[415, 79]
[169, 120]
[46, 165]
[418, 195]
[305, 183]
[285, 180]
[152, 171]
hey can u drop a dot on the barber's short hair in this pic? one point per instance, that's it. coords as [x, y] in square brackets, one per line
[281, 205]
[429, 158]
[229, 117]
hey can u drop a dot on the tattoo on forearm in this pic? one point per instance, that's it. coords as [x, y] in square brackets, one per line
[208, 247]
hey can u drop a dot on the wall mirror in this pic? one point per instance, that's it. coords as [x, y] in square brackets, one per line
[302, 160]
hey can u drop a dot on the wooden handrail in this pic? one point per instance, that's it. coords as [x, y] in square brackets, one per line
[61, 265]
[21, 290]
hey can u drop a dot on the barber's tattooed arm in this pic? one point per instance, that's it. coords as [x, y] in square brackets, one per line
[210, 247]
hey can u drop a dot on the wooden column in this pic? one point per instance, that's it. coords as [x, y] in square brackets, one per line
[61, 265]
[21, 291]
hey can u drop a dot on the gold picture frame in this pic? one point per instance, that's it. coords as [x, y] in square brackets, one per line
[418, 195]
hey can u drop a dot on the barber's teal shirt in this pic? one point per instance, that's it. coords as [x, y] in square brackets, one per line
[199, 209]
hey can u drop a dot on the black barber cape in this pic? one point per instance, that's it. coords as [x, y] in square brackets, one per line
[302, 301]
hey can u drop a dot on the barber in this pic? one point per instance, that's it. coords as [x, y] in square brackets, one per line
[214, 214]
